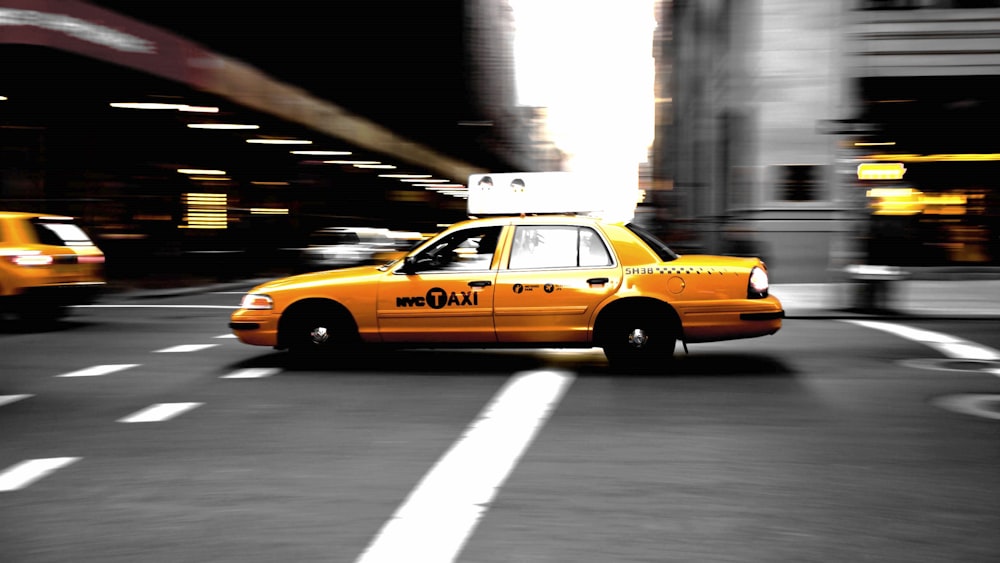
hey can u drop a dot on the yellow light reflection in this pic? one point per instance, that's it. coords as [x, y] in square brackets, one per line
[908, 201]
[881, 171]
[205, 211]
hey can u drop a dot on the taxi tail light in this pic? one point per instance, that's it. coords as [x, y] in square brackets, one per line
[90, 259]
[758, 285]
[31, 259]
[257, 302]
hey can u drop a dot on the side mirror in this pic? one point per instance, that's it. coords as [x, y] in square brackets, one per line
[409, 265]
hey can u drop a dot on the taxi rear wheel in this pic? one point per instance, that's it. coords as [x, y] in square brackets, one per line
[634, 341]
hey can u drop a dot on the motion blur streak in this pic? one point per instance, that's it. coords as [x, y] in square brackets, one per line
[440, 514]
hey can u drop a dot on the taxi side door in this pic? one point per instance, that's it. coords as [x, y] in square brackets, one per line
[443, 294]
[555, 278]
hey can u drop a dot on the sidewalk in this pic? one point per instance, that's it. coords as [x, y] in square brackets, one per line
[959, 299]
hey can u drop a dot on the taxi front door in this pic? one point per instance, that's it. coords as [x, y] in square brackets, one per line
[556, 277]
[447, 296]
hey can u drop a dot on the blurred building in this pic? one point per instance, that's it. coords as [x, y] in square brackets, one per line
[433, 99]
[767, 107]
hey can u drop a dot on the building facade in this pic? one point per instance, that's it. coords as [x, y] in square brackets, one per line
[767, 107]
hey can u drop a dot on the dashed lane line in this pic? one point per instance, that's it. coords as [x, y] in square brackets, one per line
[436, 520]
[8, 399]
[159, 412]
[95, 371]
[225, 336]
[184, 348]
[252, 373]
[27, 472]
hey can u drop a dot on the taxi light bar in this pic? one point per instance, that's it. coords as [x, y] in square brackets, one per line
[532, 192]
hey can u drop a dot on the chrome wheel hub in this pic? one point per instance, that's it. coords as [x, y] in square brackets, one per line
[319, 335]
[638, 338]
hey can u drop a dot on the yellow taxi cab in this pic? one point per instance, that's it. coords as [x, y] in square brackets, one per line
[47, 262]
[521, 281]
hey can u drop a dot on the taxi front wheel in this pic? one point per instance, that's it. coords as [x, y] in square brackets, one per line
[318, 329]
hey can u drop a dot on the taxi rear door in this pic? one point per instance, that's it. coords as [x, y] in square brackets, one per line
[555, 278]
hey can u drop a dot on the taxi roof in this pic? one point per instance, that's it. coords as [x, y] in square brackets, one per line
[538, 219]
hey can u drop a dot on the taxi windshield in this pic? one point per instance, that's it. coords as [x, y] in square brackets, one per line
[657, 245]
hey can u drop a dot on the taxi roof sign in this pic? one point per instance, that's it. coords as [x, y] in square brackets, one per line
[512, 193]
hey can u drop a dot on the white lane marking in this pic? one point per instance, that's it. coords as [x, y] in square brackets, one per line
[159, 412]
[251, 373]
[8, 399]
[98, 370]
[144, 306]
[27, 472]
[226, 336]
[950, 346]
[184, 348]
[435, 521]
[973, 404]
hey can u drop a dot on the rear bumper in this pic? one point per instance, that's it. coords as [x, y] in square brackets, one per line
[731, 320]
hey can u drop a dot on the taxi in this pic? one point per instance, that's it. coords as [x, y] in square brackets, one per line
[47, 263]
[547, 280]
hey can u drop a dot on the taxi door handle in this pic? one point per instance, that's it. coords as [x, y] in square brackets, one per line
[483, 283]
[597, 281]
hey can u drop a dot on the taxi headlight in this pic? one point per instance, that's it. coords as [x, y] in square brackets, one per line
[257, 301]
[758, 286]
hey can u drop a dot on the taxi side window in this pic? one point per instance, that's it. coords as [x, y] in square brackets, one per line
[557, 247]
[468, 249]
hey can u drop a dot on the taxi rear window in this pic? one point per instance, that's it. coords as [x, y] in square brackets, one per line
[657, 245]
[59, 233]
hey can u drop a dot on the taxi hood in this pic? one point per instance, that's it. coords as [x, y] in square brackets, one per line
[326, 277]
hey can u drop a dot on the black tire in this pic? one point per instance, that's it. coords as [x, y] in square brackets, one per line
[319, 330]
[639, 342]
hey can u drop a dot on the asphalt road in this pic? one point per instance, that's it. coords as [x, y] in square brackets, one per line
[830, 441]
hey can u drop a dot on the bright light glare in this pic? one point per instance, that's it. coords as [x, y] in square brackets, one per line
[158, 106]
[221, 126]
[591, 64]
[207, 172]
[324, 153]
[279, 141]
